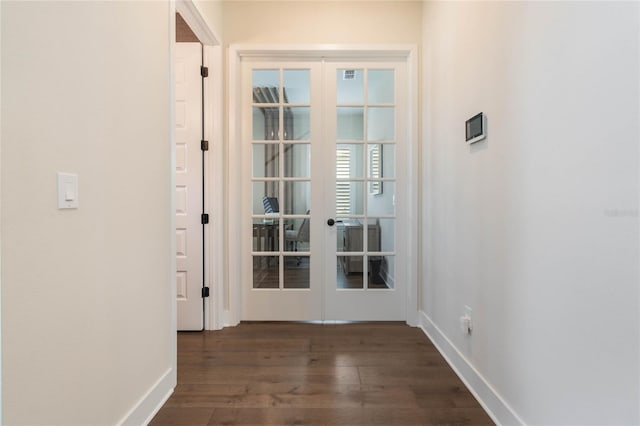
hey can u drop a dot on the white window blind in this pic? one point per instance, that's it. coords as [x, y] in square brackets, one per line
[343, 190]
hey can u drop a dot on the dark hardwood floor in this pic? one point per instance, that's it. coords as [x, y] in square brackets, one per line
[311, 374]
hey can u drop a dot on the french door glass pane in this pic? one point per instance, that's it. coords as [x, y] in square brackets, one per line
[297, 197]
[339, 236]
[266, 86]
[343, 198]
[388, 160]
[380, 86]
[296, 234]
[296, 272]
[266, 272]
[384, 203]
[349, 161]
[349, 198]
[265, 160]
[297, 125]
[380, 124]
[350, 123]
[374, 166]
[381, 272]
[265, 235]
[266, 123]
[265, 197]
[387, 234]
[350, 86]
[349, 272]
[297, 161]
[350, 236]
[296, 86]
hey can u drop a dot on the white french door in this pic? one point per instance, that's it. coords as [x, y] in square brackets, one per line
[322, 191]
[365, 135]
[282, 130]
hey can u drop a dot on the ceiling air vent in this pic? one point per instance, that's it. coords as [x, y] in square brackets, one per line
[348, 74]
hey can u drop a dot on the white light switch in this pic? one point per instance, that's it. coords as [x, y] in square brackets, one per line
[67, 191]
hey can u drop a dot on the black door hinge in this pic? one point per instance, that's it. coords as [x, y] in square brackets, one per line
[205, 292]
[204, 218]
[204, 72]
[204, 145]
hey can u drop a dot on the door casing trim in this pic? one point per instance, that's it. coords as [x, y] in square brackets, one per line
[215, 259]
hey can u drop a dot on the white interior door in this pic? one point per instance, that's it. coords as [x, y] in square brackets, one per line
[188, 59]
[322, 190]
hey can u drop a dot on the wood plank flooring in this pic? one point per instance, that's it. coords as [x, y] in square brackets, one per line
[311, 374]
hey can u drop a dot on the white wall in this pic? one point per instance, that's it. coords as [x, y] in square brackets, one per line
[86, 292]
[536, 228]
[344, 22]
[212, 13]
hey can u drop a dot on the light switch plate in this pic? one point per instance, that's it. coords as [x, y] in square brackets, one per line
[67, 191]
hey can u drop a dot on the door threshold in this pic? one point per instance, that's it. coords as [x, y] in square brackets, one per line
[323, 322]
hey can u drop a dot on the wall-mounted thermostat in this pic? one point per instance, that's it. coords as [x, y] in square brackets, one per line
[476, 128]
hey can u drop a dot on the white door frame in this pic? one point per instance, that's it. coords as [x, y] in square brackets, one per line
[214, 261]
[406, 53]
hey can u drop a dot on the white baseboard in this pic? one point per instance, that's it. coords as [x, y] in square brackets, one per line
[499, 411]
[230, 319]
[151, 402]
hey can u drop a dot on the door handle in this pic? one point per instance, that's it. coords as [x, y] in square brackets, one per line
[331, 222]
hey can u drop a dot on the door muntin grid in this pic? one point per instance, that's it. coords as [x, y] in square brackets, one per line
[365, 178]
[281, 178]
